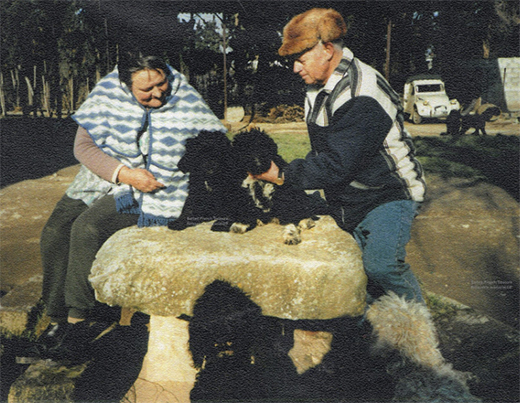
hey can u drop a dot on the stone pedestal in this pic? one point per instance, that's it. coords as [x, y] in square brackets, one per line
[162, 273]
[168, 372]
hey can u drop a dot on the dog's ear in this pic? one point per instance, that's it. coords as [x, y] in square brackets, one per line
[190, 157]
[197, 147]
[280, 162]
[490, 113]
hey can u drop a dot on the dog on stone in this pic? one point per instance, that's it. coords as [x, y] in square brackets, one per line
[295, 209]
[405, 336]
[224, 335]
[214, 185]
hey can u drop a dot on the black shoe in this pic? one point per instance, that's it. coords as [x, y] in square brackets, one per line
[75, 347]
[51, 337]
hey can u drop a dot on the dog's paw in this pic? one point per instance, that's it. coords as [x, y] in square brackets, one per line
[239, 228]
[178, 225]
[306, 223]
[221, 225]
[292, 235]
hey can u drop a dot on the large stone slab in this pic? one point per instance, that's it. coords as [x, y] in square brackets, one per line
[163, 272]
[465, 246]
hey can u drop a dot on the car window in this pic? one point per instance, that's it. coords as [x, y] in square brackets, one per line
[429, 88]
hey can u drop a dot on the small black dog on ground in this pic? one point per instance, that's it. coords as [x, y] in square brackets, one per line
[478, 120]
[242, 356]
[458, 124]
[232, 346]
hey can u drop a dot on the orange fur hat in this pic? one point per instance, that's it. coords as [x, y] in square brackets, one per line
[307, 29]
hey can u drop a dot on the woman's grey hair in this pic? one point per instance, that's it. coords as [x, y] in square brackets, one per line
[131, 62]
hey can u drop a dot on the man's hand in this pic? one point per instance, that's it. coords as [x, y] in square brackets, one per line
[141, 179]
[271, 175]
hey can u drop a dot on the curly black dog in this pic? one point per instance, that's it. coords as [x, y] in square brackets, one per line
[458, 124]
[254, 150]
[214, 184]
[225, 331]
[478, 121]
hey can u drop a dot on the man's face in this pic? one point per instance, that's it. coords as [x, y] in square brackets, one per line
[150, 87]
[313, 65]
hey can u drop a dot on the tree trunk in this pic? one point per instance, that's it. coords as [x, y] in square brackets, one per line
[30, 99]
[46, 97]
[485, 49]
[2, 94]
[388, 43]
[71, 91]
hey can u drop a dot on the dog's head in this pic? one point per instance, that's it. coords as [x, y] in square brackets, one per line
[209, 154]
[254, 150]
[224, 323]
[491, 113]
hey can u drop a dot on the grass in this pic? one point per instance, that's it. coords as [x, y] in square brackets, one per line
[494, 159]
[290, 146]
[440, 308]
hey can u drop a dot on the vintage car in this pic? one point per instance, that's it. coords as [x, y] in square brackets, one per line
[425, 97]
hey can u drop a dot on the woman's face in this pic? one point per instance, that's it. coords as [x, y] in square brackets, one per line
[150, 87]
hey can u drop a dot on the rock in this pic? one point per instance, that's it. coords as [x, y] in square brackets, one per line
[309, 348]
[45, 381]
[18, 305]
[162, 272]
[480, 344]
[465, 246]
[25, 208]
[167, 373]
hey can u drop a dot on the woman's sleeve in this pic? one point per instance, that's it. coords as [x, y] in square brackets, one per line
[90, 155]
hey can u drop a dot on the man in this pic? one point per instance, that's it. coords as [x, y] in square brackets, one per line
[361, 154]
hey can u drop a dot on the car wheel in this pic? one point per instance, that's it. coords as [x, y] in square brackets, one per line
[416, 118]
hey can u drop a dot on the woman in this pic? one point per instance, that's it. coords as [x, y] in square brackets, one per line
[131, 134]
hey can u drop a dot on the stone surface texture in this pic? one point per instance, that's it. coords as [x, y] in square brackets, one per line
[162, 272]
[45, 381]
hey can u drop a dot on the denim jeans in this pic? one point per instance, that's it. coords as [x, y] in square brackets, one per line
[382, 237]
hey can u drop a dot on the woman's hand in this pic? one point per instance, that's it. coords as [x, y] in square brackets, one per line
[139, 178]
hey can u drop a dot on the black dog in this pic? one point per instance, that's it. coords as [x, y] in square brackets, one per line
[478, 120]
[254, 150]
[458, 124]
[214, 184]
[225, 332]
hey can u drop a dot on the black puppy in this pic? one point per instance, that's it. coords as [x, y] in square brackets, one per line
[225, 330]
[254, 150]
[453, 123]
[213, 185]
[478, 121]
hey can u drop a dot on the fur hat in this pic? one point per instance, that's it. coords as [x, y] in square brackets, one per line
[307, 29]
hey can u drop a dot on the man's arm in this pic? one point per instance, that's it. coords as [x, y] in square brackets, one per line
[357, 131]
